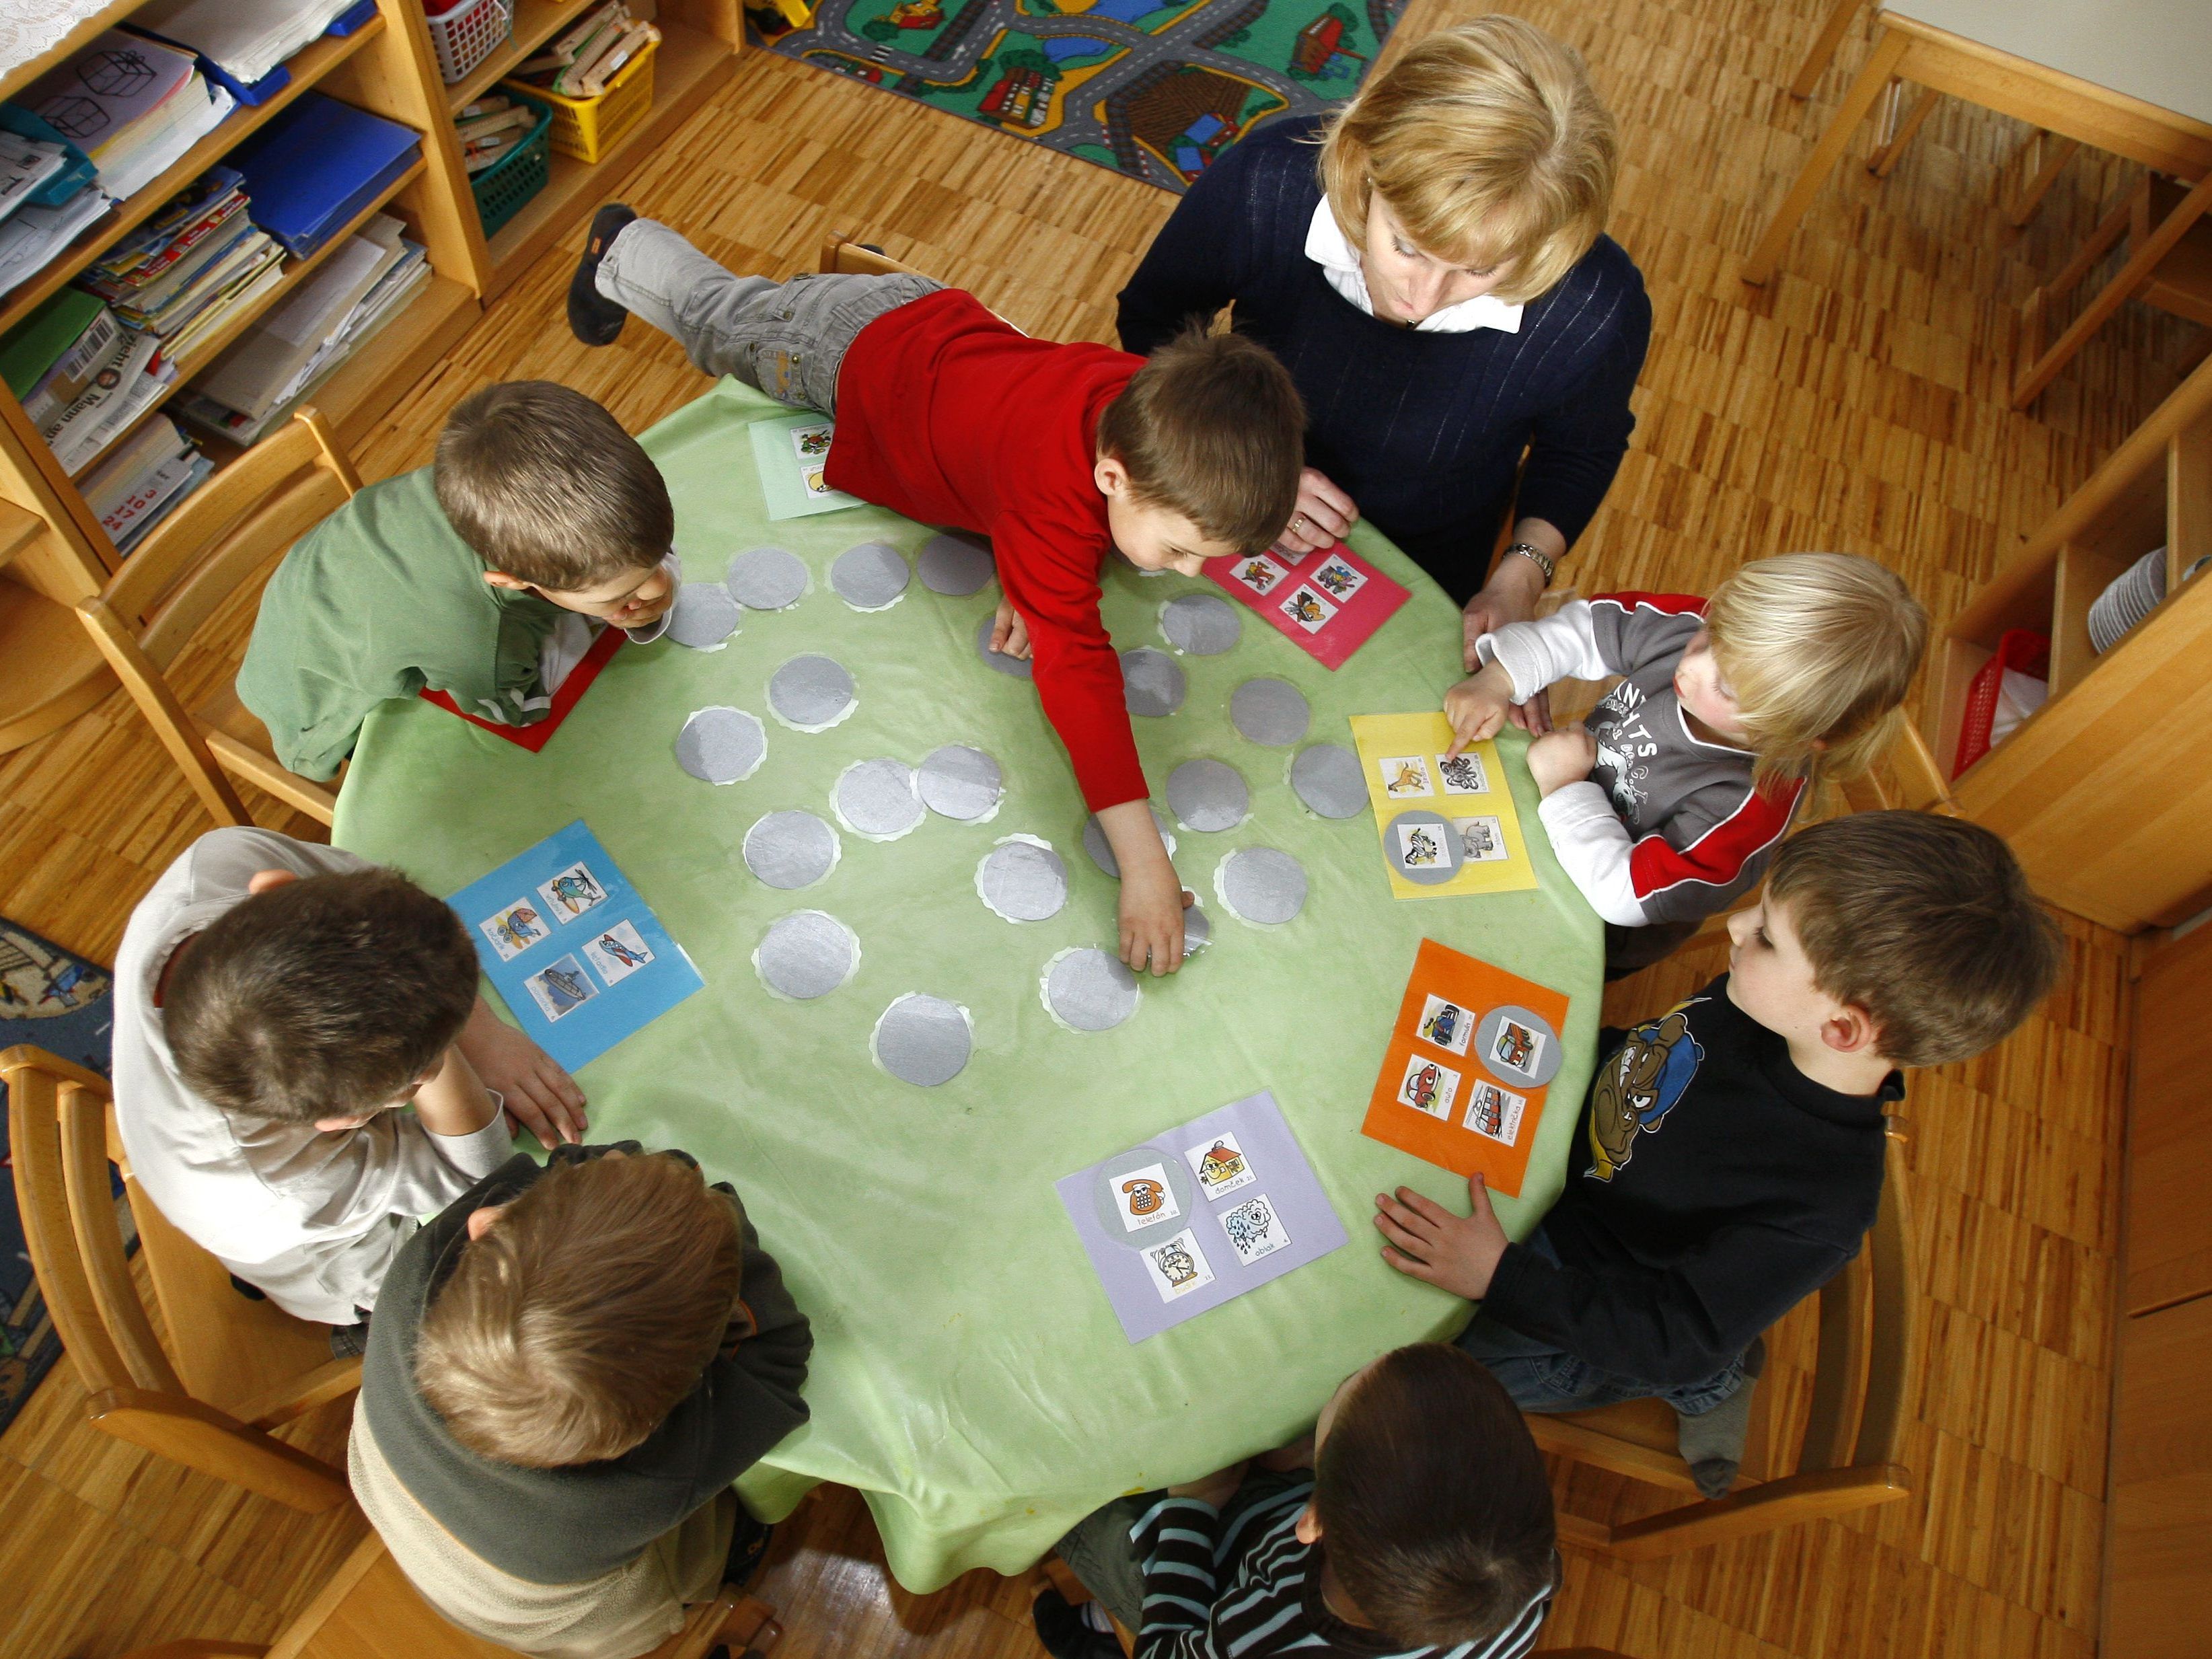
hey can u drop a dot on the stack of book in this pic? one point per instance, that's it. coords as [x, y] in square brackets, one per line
[134, 106]
[284, 357]
[244, 42]
[581, 62]
[145, 480]
[34, 227]
[80, 376]
[190, 269]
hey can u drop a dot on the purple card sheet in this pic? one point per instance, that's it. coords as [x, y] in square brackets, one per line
[1200, 1215]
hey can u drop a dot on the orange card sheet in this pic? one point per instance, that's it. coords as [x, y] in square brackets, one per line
[1470, 1063]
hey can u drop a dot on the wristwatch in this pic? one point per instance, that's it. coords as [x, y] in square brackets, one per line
[1543, 560]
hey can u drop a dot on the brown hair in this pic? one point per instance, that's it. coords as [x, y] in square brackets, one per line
[1433, 1504]
[546, 486]
[572, 1328]
[1489, 144]
[1211, 427]
[322, 997]
[1926, 922]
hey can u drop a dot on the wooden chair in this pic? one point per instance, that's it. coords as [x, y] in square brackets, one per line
[1854, 1434]
[369, 1611]
[241, 521]
[232, 1369]
[1897, 129]
[843, 257]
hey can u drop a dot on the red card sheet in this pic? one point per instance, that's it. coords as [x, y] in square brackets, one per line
[1328, 603]
[536, 736]
[1471, 1057]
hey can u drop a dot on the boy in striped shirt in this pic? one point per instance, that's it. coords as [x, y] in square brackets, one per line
[1423, 1530]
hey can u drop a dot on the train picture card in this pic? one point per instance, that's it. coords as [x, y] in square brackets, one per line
[1448, 822]
[1200, 1215]
[578, 958]
[1468, 1068]
[1328, 603]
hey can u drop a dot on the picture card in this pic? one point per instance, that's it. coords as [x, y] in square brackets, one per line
[590, 963]
[1167, 1268]
[1145, 1197]
[792, 454]
[1433, 845]
[1328, 604]
[1516, 1047]
[1438, 1094]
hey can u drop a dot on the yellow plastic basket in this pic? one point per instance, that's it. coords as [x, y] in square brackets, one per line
[587, 128]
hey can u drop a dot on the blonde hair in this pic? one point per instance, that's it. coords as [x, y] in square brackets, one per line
[1489, 143]
[1819, 649]
[570, 1330]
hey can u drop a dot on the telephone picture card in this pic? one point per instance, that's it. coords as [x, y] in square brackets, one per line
[578, 958]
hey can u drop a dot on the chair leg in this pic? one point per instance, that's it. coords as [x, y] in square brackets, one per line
[1887, 155]
[1824, 48]
[2019, 207]
[1887, 52]
[161, 710]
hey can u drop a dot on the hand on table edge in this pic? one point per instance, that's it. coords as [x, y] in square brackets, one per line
[1455, 1253]
[541, 1096]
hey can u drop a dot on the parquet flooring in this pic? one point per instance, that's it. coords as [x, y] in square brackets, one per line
[1857, 403]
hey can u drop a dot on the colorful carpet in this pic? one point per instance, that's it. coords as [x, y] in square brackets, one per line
[60, 1003]
[1153, 89]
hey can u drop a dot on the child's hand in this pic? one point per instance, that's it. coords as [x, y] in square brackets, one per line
[1561, 758]
[1455, 1253]
[541, 1097]
[1216, 1489]
[1152, 903]
[1477, 706]
[1010, 635]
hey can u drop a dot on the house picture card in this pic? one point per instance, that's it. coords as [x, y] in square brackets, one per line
[1328, 603]
[1448, 823]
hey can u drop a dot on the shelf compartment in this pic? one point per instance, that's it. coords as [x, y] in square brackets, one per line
[535, 23]
[2082, 574]
[2188, 501]
[51, 655]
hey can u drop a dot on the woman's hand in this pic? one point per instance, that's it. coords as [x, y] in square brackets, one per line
[1510, 596]
[1325, 514]
[1010, 635]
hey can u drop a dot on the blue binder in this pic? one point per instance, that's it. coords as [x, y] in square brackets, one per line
[316, 166]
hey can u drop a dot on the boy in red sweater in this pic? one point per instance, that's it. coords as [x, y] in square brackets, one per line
[1057, 453]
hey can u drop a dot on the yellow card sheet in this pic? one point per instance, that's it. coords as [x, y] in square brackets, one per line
[1447, 827]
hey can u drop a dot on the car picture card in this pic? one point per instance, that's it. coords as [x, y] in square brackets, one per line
[1200, 1214]
[1448, 823]
[1468, 1068]
[1329, 603]
[576, 954]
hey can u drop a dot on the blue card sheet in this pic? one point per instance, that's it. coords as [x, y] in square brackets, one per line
[580, 958]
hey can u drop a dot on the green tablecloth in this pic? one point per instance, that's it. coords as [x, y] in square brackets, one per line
[968, 1376]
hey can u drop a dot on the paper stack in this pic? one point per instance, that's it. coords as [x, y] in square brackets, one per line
[581, 62]
[25, 164]
[80, 375]
[31, 236]
[190, 268]
[246, 39]
[133, 104]
[145, 480]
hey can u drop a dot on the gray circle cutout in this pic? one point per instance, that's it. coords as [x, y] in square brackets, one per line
[870, 577]
[1020, 667]
[1181, 1182]
[1152, 682]
[954, 566]
[877, 799]
[1272, 712]
[1259, 884]
[1327, 779]
[811, 693]
[806, 954]
[1102, 850]
[704, 615]
[1197, 929]
[1202, 624]
[1021, 881]
[721, 744]
[790, 850]
[1208, 795]
[1090, 989]
[766, 579]
[922, 1039]
[957, 782]
[1433, 831]
[1546, 1066]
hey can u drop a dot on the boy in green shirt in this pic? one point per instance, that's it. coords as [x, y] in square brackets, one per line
[483, 575]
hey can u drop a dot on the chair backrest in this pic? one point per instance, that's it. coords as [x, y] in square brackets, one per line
[843, 257]
[1862, 1382]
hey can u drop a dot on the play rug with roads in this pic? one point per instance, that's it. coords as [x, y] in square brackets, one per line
[1153, 90]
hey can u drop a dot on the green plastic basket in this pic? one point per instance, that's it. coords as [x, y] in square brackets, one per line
[501, 188]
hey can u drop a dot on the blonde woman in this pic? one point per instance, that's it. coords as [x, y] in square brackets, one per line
[1432, 265]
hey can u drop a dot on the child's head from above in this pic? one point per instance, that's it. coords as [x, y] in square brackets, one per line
[1430, 1498]
[578, 1315]
[1199, 457]
[556, 499]
[1806, 657]
[319, 1000]
[1902, 935]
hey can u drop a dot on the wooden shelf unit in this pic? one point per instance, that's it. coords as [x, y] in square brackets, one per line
[2089, 789]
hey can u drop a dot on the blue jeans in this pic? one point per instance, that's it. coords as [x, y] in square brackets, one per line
[1539, 1377]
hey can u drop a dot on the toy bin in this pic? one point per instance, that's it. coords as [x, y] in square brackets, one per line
[501, 188]
[587, 128]
[468, 34]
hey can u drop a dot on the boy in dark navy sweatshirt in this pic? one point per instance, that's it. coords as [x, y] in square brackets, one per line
[1735, 1144]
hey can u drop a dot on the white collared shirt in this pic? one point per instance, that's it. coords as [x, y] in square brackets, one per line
[1340, 262]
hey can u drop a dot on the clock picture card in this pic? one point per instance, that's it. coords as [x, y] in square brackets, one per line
[1328, 603]
[578, 957]
[1199, 1215]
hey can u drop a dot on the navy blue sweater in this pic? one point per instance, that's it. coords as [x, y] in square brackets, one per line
[1424, 431]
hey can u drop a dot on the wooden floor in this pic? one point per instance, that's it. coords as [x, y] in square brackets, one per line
[1858, 403]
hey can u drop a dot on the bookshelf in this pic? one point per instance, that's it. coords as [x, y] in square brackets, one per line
[2096, 790]
[53, 551]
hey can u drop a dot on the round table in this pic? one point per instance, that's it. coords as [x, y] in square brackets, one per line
[968, 1376]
